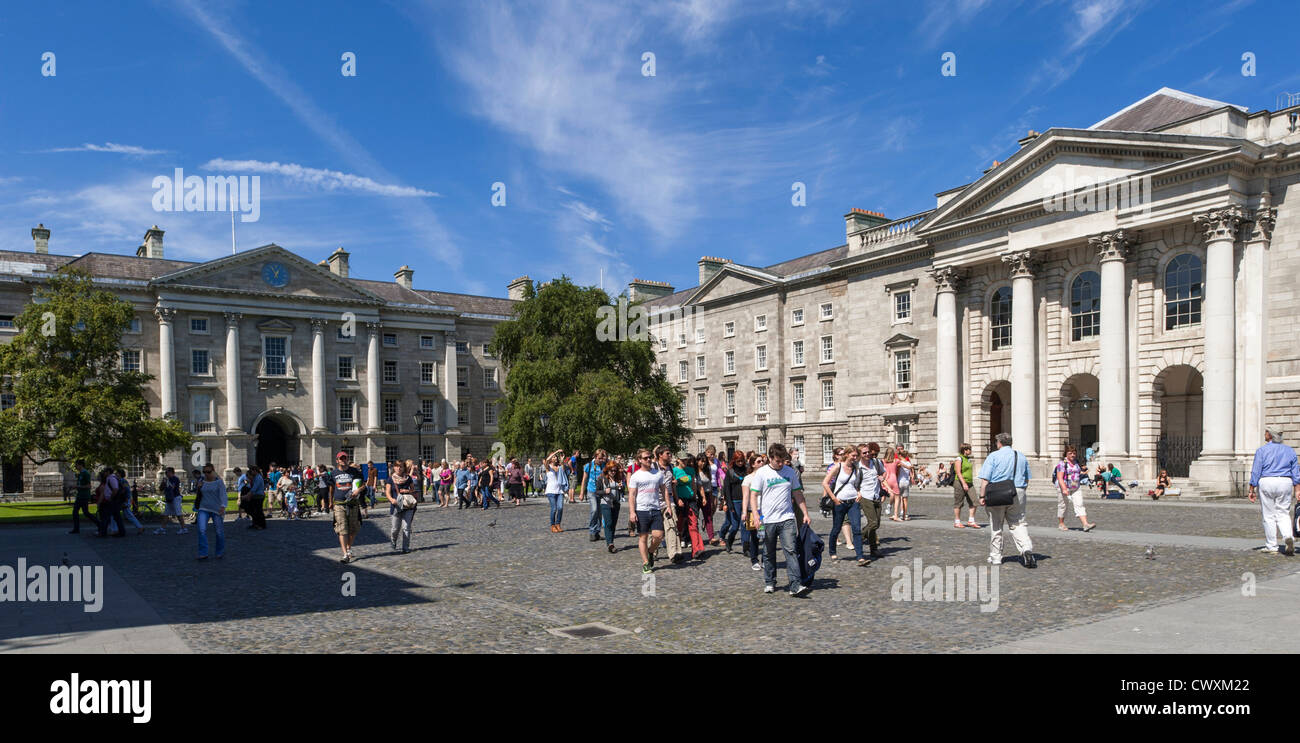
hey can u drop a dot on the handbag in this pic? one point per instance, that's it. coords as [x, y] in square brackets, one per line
[406, 501]
[1002, 492]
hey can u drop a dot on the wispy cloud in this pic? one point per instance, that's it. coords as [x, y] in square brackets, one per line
[1098, 17]
[820, 68]
[328, 180]
[943, 15]
[112, 147]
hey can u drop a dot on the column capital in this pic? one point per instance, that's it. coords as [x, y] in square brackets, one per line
[1021, 262]
[1220, 224]
[318, 324]
[1264, 218]
[1113, 246]
[165, 314]
[233, 318]
[947, 278]
[372, 328]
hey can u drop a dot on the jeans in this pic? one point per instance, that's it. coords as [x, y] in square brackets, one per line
[219, 522]
[731, 526]
[854, 514]
[402, 520]
[82, 505]
[489, 498]
[609, 513]
[130, 517]
[784, 531]
[557, 507]
[107, 512]
[593, 524]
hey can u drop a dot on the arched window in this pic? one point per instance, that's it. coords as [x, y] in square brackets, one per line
[1085, 306]
[1000, 319]
[1183, 291]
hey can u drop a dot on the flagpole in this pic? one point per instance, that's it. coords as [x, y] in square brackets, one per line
[232, 230]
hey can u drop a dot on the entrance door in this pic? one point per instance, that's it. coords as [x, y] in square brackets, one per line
[273, 444]
[13, 475]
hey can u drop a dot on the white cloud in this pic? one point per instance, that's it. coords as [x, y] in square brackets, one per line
[1093, 17]
[328, 180]
[112, 147]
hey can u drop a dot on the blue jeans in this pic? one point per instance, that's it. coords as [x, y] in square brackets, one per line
[731, 526]
[609, 514]
[488, 497]
[557, 507]
[204, 517]
[854, 514]
[785, 531]
[593, 523]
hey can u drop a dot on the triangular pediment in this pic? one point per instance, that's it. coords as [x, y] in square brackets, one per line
[901, 340]
[270, 270]
[731, 279]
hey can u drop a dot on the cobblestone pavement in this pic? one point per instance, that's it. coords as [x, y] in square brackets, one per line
[497, 581]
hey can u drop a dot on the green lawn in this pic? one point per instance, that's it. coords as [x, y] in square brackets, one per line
[37, 512]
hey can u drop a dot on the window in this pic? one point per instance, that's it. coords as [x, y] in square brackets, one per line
[199, 325]
[392, 454]
[685, 412]
[201, 411]
[824, 312]
[428, 372]
[1000, 319]
[7, 323]
[663, 370]
[699, 335]
[347, 408]
[8, 400]
[390, 340]
[760, 323]
[663, 343]
[131, 361]
[462, 346]
[1085, 306]
[729, 362]
[427, 408]
[729, 329]
[199, 361]
[275, 355]
[797, 397]
[135, 470]
[797, 353]
[1183, 291]
[762, 444]
[462, 414]
[701, 408]
[903, 370]
[798, 444]
[135, 324]
[828, 448]
[760, 358]
[340, 334]
[390, 411]
[462, 376]
[490, 378]
[487, 350]
[828, 348]
[390, 372]
[346, 370]
[428, 453]
[760, 399]
[699, 367]
[902, 306]
[730, 398]
[903, 436]
[683, 370]
[828, 394]
[489, 414]
[426, 342]
[681, 340]
[796, 317]
[700, 445]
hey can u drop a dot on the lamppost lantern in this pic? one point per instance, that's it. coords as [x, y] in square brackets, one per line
[546, 420]
[419, 434]
[1085, 402]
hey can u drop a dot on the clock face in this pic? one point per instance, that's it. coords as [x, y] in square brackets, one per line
[275, 274]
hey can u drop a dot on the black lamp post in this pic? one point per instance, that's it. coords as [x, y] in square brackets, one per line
[419, 439]
[545, 420]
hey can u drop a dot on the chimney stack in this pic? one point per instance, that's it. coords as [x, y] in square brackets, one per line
[405, 276]
[339, 263]
[858, 220]
[41, 237]
[710, 266]
[639, 290]
[152, 247]
[515, 289]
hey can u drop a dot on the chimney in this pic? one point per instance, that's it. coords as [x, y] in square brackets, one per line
[1031, 136]
[41, 237]
[339, 263]
[710, 266]
[991, 167]
[515, 289]
[858, 220]
[405, 276]
[640, 290]
[152, 245]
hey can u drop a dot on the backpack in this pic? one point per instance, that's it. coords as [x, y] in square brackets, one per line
[122, 495]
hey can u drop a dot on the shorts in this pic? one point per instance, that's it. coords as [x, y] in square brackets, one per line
[648, 521]
[347, 521]
[960, 496]
[516, 490]
[174, 507]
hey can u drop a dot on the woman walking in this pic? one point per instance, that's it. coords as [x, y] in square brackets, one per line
[610, 486]
[688, 500]
[1067, 477]
[557, 487]
[904, 480]
[400, 491]
[841, 485]
[749, 521]
[705, 476]
[487, 480]
[731, 499]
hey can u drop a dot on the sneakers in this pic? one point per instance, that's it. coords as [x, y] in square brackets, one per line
[995, 560]
[183, 530]
[1290, 546]
[798, 590]
[755, 566]
[646, 568]
[612, 549]
[1029, 560]
[345, 559]
[1268, 551]
[159, 530]
[769, 589]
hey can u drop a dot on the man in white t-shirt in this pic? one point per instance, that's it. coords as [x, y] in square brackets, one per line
[774, 492]
[648, 488]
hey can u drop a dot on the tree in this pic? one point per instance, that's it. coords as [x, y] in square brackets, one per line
[72, 398]
[605, 394]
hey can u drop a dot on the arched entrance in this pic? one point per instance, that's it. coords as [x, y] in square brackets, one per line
[1179, 390]
[1079, 396]
[997, 405]
[277, 441]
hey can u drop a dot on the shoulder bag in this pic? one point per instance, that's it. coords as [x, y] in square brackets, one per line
[1002, 492]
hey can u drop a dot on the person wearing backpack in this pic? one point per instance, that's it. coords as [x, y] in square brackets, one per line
[108, 510]
[123, 500]
[841, 486]
[870, 498]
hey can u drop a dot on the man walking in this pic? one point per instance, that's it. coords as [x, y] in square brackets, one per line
[1275, 476]
[873, 474]
[82, 504]
[1003, 465]
[347, 491]
[172, 501]
[773, 493]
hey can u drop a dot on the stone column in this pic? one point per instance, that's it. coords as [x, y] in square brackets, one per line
[948, 415]
[167, 359]
[1024, 357]
[234, 399]
[1112, 406]
[373, 373]
[318, 376]
[449, 389]
[1217, 319]
[1254, 349]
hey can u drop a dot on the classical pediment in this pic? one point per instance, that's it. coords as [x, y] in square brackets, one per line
[901, 340]
[731, 279]
[269, 270]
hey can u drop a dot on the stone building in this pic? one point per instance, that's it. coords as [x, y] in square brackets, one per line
[1132, 284]
[267, 356]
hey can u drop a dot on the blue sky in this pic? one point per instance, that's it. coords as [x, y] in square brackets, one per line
[605, 169]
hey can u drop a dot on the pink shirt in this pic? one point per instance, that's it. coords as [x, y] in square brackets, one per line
[891, 476]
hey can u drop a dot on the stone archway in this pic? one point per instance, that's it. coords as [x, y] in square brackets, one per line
[994, 416]
[276, 435]
[1080, 423]
[1178, 392]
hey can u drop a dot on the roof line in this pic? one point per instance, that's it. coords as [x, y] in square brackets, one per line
[1171, 93]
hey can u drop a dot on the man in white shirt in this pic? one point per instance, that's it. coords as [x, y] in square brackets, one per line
[648, 489]
[774, 492]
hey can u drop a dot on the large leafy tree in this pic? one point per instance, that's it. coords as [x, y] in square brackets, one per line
[72, 398]
[598, 393]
